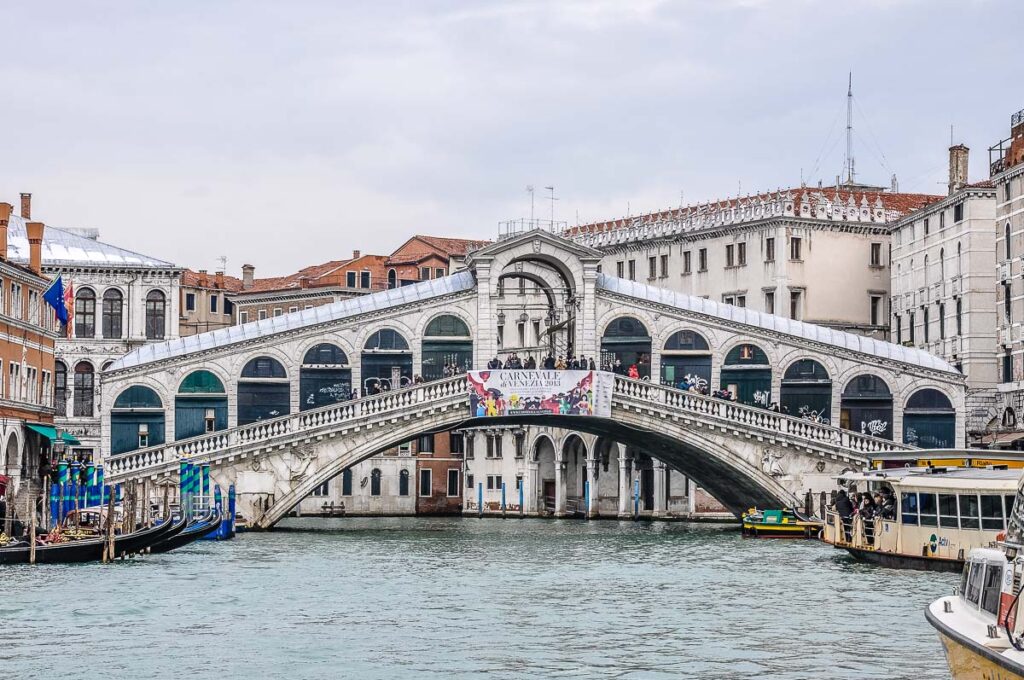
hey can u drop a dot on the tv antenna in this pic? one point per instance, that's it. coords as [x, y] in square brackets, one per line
[849, 130]
[529, 188]
[553, 199]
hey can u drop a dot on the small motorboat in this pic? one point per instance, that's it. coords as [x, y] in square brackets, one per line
[90, 549]
[194, 531]
[779, 524]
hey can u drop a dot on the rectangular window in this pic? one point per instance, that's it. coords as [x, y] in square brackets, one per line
[346, 483]
[795, 243]
[926, 226]
[652, 267]
[438, 273]
[213, 304]
[243, 317]
[497, 446]
[469, 480]
[908, 506]
[729, 256]
[741, 254]
[664, 266]
[453, 482]
[424, 273]
[686, 262]
[425, 483]
[490, 446]
[876, 310]
[992, 513]
[364, 279]
[320, 490]
[350, 279]
[425, 443]
[876, 254]
[620, 269]
[632, 270]
[702, 260]
[969, 515]
[897, 323]
[293, 309]
[991, 587]
[229, 306]
[929, 509]
[958, 213]
[769, 249]
[490, 482]
[262, 314]
[741, 300]
[794, 304]
[947, 512]
[942, 220]
[769, 301]
[728, 299]
[457, 442]
[278, 311]
[190, 302]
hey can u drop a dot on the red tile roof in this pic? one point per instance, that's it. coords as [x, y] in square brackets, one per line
[190, 279]
[421, 246]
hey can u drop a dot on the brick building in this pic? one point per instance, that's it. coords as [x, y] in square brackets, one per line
[205, 301]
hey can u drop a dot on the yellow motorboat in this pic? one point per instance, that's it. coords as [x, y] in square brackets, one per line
[779, 524]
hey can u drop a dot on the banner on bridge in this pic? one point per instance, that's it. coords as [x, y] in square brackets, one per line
[525, 392]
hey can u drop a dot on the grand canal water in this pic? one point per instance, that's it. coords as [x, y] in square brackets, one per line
[460, 598]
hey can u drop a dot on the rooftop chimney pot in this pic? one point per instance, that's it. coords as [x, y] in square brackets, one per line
[26, 206]
[218, 278]
[248, 271]
[34, 230]
[958, 156]
[355, 254]
[5, 218]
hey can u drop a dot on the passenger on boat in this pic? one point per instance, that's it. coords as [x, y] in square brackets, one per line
[845, 509]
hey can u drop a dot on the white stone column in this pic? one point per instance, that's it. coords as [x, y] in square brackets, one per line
[592, 464]
[625, 481]
[660, 502]
[485, 342]
[532, 491]
[560, 490]
[691, 496]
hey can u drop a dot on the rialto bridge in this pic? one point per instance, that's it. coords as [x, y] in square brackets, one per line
[300, 398]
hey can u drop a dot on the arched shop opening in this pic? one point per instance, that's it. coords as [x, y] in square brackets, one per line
[263, 391]
[136, 420]
[747, 375]
[387, 362]
[447, 348]
[626, 343]
[325, 377]
[929, 420]
[686, 361]
[200, 406]
[866, 407]
[807, 391]
[544, 455]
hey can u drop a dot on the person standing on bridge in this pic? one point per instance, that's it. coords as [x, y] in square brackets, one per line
[549, 363]
[531, 363]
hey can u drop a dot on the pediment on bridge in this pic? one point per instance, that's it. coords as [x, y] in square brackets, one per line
[537, 240]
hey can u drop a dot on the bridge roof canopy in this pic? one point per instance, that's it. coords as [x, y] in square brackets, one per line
[778, 324]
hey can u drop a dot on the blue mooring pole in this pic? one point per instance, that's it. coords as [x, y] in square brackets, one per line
[636, 499]
[503, 499]
[521, 485]
[586, 499]
[480, 498]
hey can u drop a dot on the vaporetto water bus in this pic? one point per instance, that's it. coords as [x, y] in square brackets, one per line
[939, 515]
[981, 623]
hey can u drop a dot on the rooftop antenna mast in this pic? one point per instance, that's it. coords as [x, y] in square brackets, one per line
[849, 130]
[553, 199]
[223, 259]
[529, 188]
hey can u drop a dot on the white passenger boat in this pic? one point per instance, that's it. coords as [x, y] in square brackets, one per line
[940, 514]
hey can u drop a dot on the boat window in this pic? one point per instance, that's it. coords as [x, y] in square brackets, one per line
[969, 512]
[1008, 500]
[990, 590]
[947, 511]
[963, 579]
[929, 509]
[991, 513]
[909, 505]
[973, 591]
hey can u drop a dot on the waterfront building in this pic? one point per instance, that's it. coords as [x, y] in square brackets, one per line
[205, 302]
[122, 300]
[818, 255]
[27, 336]
[944, 288]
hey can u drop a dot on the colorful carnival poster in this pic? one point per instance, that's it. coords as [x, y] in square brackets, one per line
[524, 392]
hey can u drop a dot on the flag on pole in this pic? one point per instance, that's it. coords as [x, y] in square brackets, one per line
[55, 296]
[69, 306]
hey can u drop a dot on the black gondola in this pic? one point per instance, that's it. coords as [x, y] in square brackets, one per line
[91, 549]
[194, 532]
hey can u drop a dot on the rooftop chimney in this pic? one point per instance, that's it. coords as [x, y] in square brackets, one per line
[26, 206]
[247, 274]
[204, 280]
[303, 282]
[218, 278]
[34, 230]
[355, 254]
[957, 167]
[5, 217]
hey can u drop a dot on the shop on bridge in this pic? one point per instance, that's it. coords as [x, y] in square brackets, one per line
[325, 377]
[747, 374]
[263, 391]
[686, 361]
[929, 420]
[136, 420]
[627, 343]
[200, 406]
[807, 391]
[387, 362]
[447, 344]
[866, 407]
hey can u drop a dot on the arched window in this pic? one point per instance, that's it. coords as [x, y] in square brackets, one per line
[447, 348]
[84, 389]
[263, 391]
[747, 375]
[346, 482]
[386, 340]
[392, 278]
[60, 388]
[929, 420]
[155, 315]
[112, 311]
[807, 391]
[959, 260]
[626, 343]
[325, 377]
[866, 407]
[264, 367]
[403, 483]
[1006, 238]
[201, 405]
[85, 313]
[686, 362]
[942, 265]
[375, 482]
[386, 362]
[926, 270]
[136, 420]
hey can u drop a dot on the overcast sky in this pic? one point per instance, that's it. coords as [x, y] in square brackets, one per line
[290, 133]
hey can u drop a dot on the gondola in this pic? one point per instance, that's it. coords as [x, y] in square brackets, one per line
[91, 549]
[193, 532]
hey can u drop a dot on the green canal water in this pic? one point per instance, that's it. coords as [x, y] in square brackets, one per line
[465, 598]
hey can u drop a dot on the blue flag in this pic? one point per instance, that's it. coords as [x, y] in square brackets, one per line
[54, 296]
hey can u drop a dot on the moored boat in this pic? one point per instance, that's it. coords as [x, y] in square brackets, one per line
[779, 524]
[195, 531]
[90, 549]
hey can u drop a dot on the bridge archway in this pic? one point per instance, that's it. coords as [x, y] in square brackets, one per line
[200, 405]
[866, 406]
[325, 376]
[574, 460]
[625, 343]
[747, 375]
[544, 484]
[447, 348]
[806, 391]
[136, 420]
[686, 361]
[263, 390]
[386, 361]
[929, 420]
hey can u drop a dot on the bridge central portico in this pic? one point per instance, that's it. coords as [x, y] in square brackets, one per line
[281, 405]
